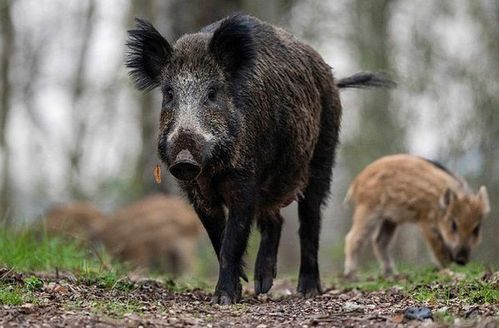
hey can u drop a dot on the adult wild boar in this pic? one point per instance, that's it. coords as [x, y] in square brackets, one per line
[249, 121]
[401, 189]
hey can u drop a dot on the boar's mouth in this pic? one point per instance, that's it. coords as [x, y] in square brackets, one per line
[185, 167]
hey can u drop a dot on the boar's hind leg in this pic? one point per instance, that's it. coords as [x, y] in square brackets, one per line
[309, 213]
[381, 245]
[265, 268]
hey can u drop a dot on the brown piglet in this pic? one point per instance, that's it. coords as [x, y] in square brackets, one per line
[403, 188]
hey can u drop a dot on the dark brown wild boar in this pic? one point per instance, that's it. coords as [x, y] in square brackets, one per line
[249, 121]
[157, 232]
[75, 220]
[408, 189]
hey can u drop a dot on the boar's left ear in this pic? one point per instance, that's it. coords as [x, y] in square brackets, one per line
[484, 198]
[446, 199]
[148, 53]
[232, 43]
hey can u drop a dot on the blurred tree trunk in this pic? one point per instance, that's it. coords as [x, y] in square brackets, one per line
[143, 181]
[6, 52]
[190, 16]
[80, 114]
[379, 132]
[486, 121]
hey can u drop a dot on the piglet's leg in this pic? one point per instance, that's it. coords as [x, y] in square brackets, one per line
[241, 203]
[381, 245]
[441, 254]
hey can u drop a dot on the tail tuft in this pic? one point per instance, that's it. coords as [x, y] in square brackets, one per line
[364, 80]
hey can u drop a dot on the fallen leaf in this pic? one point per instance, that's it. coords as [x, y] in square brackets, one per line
[157, 174]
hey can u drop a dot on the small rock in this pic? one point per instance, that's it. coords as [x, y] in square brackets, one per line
[351, 307]
[415, 313]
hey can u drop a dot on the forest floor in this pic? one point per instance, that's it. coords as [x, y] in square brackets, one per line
[56, 300]
[46, 282]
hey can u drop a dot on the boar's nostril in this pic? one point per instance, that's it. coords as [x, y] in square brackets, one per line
[185, 167]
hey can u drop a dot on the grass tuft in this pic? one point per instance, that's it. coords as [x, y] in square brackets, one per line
[466, 284]
[27, 250]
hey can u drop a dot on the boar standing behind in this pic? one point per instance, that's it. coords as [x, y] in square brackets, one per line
[403, 188]
[157, 232]
[249, 121]
[75, 220]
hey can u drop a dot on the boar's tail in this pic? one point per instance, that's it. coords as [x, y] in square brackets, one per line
[364, 80]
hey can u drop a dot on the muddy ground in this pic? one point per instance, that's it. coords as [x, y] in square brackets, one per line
[66, 301]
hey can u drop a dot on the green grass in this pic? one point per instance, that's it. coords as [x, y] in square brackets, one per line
[116, 308]
[429, 285]
[15, 294]
[111, 308]
[27, 250]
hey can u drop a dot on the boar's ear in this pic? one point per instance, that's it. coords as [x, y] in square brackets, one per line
[232, 43]
[483, 196]
[148, 52]
[447, 198]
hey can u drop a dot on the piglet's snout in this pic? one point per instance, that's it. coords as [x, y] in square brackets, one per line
[462, 256]
[185, 167]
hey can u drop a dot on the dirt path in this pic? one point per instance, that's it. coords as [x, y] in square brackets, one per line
[65, 302]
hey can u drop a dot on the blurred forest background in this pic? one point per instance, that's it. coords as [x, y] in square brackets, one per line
[73, 127]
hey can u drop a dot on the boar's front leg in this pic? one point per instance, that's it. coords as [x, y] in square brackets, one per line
[241, 201]
[213, 220]
[270, 225]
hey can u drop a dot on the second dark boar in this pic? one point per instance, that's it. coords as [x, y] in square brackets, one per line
[249, 121]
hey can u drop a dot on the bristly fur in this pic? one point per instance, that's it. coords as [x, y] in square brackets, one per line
[147, 54]
[365, 80]
[232, 43]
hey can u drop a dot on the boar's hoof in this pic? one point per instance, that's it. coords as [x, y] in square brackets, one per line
[263, 285]
[264, 277]
[223, 297]
[185, 167]
[309, 287]
[222, 300]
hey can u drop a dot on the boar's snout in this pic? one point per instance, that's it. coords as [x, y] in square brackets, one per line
[461, 257]
[185, 167]
[185, 153]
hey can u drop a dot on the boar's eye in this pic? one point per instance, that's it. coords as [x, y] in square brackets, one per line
[212, 94]
[454, 227]
[476, 231]
[167, 96]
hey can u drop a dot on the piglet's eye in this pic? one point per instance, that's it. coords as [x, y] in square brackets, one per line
[454, 227]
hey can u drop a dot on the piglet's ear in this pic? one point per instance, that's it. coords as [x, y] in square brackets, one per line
[483, 196]
[447, 198]
[232, 43]
[148, 53]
